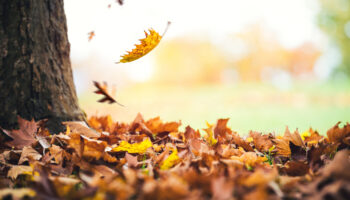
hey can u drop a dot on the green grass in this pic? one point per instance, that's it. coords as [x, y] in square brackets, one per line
[250, 106]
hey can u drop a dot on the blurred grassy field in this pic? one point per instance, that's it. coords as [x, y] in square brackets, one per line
[250, 106]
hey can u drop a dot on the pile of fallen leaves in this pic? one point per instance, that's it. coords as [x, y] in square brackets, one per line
[154, 160]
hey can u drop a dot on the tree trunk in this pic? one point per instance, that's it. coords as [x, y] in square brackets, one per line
[35, 76]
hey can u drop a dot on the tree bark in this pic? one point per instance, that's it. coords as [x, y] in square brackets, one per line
[35, 76]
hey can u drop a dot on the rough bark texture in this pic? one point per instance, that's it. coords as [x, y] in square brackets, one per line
[35, 76]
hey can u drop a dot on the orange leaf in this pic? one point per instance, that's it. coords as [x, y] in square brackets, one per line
[147, 44]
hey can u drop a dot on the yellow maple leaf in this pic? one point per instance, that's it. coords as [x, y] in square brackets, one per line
[140, 147]
[151, 40]
[170, 161]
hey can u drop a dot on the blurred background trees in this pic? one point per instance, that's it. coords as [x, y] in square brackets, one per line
[334, 20]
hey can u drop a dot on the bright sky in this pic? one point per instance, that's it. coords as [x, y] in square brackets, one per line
[118, 28]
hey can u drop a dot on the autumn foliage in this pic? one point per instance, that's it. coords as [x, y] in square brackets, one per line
[156, 160]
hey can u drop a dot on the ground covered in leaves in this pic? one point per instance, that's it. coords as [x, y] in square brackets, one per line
[154, 160]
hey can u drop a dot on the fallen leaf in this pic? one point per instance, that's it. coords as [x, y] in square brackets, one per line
[337, 134]
[261, 142]
[282, 147]
[170, 161]
[296, 168]
[24, 136]
[156, 126]
[29, 153]
[17, 193]
[236, 139]
[81, 128]
[221, 128]
[140, 148]
[19, 170]
[295, 138]
[131, 160]
[210, 138]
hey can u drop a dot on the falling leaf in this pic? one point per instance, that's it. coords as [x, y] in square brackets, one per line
[106, 96]
[24, 136]
[170, 161]
[147, 44]
[140, 148]
[91, 35]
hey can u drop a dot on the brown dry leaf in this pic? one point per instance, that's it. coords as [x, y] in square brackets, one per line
[102, 89]
[282, 147]
[190, 133]
[261, 142]
[29, 152]
[18, 170]
[57, 153]
[24, 136]
[296, 168]
[337, 134]
[81, 128]
[295, 138]
[241, 143]
[221, 128]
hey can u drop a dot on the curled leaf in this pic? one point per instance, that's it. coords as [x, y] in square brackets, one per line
[151, 40]
[210, 135]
